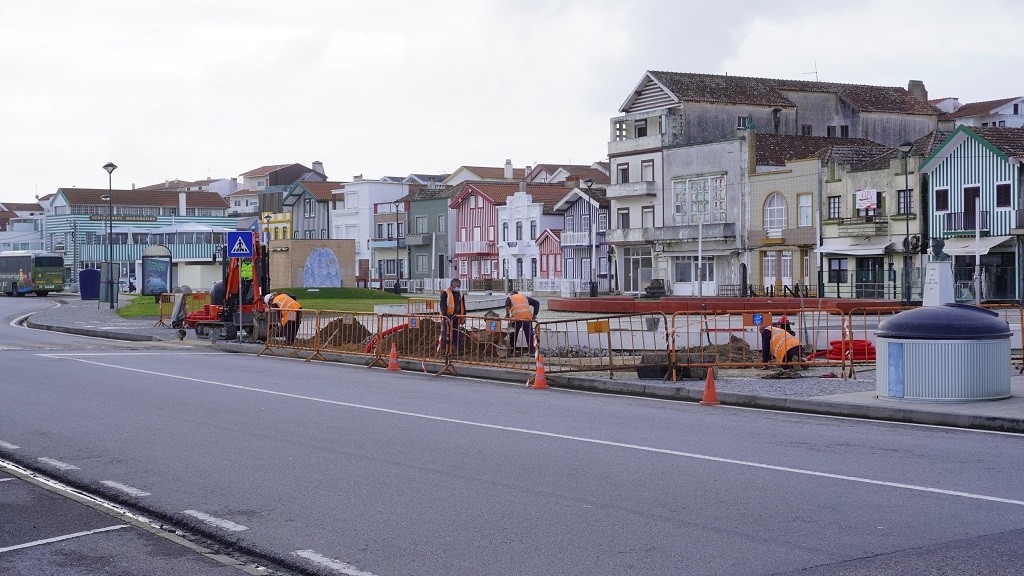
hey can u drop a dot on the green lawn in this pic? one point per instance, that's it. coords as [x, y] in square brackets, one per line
[344, 299]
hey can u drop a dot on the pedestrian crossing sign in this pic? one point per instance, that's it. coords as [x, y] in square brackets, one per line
[240, 244]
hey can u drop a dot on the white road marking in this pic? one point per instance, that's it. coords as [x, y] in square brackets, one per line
[651, 449]
[6, 479]
[8, 445]
[214, 521]
[69, 355]
[331, 563]
[59, 538]
[58, 464]
[125, 488]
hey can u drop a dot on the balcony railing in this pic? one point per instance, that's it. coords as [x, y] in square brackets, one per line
[863, 226]
[631, 189]
[386, 242]
[688, 233]
[475, 247]
[957, 222]
[418, 239]
[575, 239]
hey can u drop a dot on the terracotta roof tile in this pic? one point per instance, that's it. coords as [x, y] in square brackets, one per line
[491, 173]
[693, 87]
[1009, 141]
[23, 206]
[322, 191]
[776, 149]
[498, 192]
[981, 108]
[193, 199]
[264, 170]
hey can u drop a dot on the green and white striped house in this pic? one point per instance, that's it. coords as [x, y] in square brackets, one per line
[974, 186]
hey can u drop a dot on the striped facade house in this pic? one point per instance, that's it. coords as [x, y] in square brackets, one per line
[974, 200]
[476, 220]
[580, 208]
[550, 247]
[309, 204]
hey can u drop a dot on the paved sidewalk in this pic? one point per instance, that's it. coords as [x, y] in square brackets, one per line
[811, 393]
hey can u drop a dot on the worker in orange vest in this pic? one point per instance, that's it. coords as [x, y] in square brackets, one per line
[779, 343]
[287, 312]
[453, 307]
[522, 310]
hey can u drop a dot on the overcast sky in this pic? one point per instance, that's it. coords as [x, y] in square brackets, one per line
[197, 89]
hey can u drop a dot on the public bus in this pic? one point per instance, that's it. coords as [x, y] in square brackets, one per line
[24, 271]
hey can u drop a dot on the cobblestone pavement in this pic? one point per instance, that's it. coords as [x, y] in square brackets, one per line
[810, 391]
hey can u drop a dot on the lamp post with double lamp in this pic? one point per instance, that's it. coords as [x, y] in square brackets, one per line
[398, 247]
[589, 183]
[108, 198]
[904, 149]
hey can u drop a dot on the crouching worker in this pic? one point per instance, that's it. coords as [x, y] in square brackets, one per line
[779, 343]
[288, 313]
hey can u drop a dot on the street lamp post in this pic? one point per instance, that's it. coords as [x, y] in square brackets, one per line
[589, 183]
[398, 261]
[904, 149]
[110, 167]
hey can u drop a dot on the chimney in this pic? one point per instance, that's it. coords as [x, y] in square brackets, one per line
[234, 186]
[357, 178]
[181, 204]
[572, 181]
[508, 169]
[318, 167]
[522, 186]
[917, 90]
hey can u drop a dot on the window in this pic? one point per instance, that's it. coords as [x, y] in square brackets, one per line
[463, 267]
[380, 230]
[620, 130]
[490, 233]
[462, 235]
[585, 223]
[1003, 195]
[699, 200]
[401, 230]
[647, 217]
[803, 210]
[830, 131]
[904, 202]
[865, 212]
[421, 224]
[837, 270]
[391, 230]
[806, 130]
[835, 207]
[602, 221]
[519, 230]
[309, 234]
[1002, 124]
[323, 233]
[569, 221]
[487, 267]
[741, 122]
[844, 131]
[309, 207]
[441, 220]
[775, 212]
[640, 128]
[647, 171]
[942, 199]
[533, 229]
[533, 267]
[623, 172]
[422, 262]
[389, 266]
[504, 231]
[623, 218]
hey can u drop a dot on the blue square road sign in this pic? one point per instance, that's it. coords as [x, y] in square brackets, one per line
[240, 244]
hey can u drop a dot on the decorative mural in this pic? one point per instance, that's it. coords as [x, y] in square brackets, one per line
[321, 270]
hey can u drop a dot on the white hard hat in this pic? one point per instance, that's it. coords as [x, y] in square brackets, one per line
[268, 298]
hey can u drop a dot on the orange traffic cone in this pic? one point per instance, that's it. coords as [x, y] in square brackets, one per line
[710, 397]
[539, 380]
[393, 361]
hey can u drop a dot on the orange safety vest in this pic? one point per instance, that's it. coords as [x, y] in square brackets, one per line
[521, 309]
[285, 302]
[451, 304]
[782, 342]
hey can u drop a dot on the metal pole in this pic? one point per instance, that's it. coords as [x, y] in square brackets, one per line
[977, 250]
[906, 247]
[110, 232]
[398, 261]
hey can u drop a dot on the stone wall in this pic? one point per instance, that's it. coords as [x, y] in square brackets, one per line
[289, 260]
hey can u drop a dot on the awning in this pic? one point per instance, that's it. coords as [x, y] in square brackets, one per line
[965, 246]
[848, 248]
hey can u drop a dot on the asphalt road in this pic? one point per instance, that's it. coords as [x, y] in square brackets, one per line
[347, 470]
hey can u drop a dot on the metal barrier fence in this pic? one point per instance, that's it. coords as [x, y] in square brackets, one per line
[417, 305]
[192, 302]
[294, 330]
[415, 337]
[734, 339]
[347, 332]
[607, 343]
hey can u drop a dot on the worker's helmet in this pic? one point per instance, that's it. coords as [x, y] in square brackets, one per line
[268, 298]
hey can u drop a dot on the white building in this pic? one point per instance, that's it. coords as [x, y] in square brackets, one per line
[352, 215]
[520, 221]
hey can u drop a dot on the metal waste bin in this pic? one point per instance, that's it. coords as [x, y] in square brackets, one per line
[949, 353]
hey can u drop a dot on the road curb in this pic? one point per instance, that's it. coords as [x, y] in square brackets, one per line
[90, 332]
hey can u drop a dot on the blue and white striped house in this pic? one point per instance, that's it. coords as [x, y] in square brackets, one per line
[974, 187]
[580, 242]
